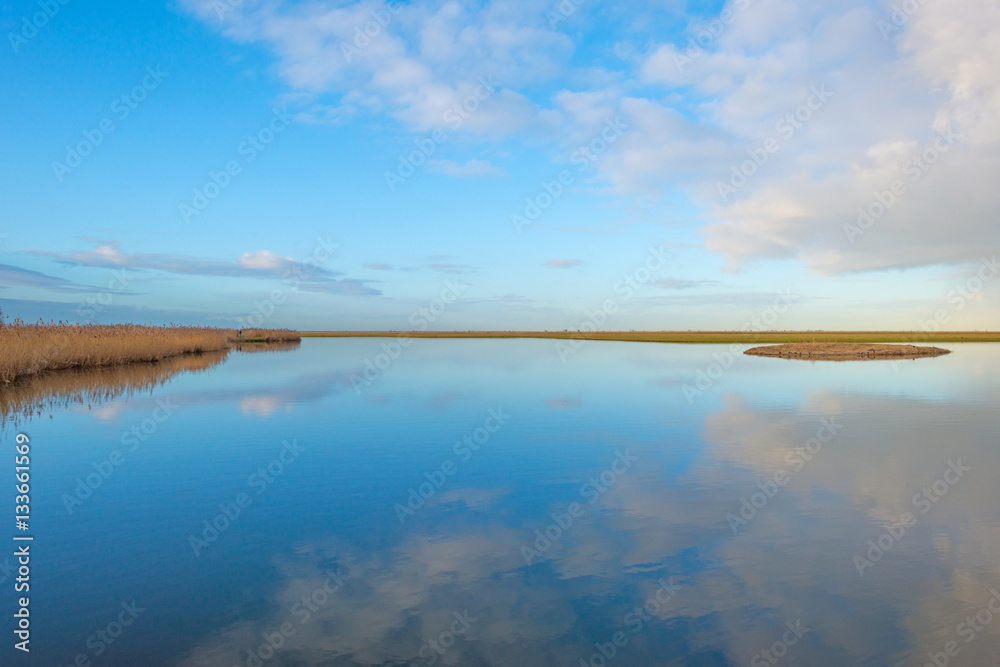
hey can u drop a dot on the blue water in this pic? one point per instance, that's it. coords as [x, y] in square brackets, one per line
[402, 520]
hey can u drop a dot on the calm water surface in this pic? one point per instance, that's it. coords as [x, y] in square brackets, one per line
[485, 503]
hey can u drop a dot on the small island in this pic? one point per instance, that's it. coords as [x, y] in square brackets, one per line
[845, 351]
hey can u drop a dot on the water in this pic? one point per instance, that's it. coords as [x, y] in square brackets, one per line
[336, 557]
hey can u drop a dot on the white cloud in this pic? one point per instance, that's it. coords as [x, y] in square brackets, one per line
[265, 259]
[889, 100]
[305, 275]
[563, 263]
[691, 122]
[416, 62]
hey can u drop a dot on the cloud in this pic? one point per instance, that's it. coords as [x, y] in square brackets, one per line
[305, 275]
[468, 558]
[563, 263]
[13, 276]
[340, 287]
[264, 259]
[695, 117]
[383, 266]
[681, 283]
[470, 168]
[418, 64]
[890, 99]
[451, 267]
[261, 406]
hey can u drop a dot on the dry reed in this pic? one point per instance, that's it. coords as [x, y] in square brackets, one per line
[28, 349]
[271, 335]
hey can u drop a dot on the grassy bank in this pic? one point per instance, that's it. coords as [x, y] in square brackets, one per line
[266, 336]
[28, 349]
[695, 336]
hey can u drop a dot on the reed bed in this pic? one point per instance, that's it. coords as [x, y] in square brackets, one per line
[28, 349]
[270, 336]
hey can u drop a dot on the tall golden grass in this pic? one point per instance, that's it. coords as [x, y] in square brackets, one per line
[271, 335]
[27, 349]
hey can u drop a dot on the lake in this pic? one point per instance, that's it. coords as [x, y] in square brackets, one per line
[485, 502]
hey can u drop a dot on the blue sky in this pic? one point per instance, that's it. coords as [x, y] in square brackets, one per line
[647, 112]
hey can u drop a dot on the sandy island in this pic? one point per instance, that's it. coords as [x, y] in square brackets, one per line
[845, 351]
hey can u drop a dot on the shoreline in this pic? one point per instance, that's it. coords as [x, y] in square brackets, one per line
[40, 348]
[28, 350]
[693, 337]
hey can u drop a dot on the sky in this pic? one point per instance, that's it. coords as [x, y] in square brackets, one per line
[656, 164]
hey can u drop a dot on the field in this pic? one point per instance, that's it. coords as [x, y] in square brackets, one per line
[265, 336]
[695, 336]
[28, 349]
